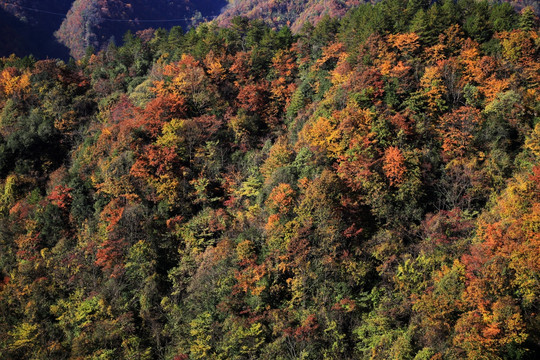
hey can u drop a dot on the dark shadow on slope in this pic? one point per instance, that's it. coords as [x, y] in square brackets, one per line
[23, 39]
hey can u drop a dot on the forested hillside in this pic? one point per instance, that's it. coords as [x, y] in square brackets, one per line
[368, 188]
[297, 13]
[292, 13]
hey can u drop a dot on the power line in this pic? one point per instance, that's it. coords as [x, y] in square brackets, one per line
[158, 20]
[34, 9]
[115, 20]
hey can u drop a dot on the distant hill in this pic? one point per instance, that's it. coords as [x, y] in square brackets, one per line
[32, 25]
[293, 13]
[94, 22]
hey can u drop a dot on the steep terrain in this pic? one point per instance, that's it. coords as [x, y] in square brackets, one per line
[293, 13]
[95, 22]
[366, 189]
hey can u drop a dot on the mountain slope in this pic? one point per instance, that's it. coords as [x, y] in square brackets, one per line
[293, 13]
[94, 22]
[367, 190]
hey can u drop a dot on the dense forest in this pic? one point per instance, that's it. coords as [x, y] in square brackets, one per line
[294, 13]
[363, 188]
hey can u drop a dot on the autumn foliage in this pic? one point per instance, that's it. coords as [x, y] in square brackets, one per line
[367, 188]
